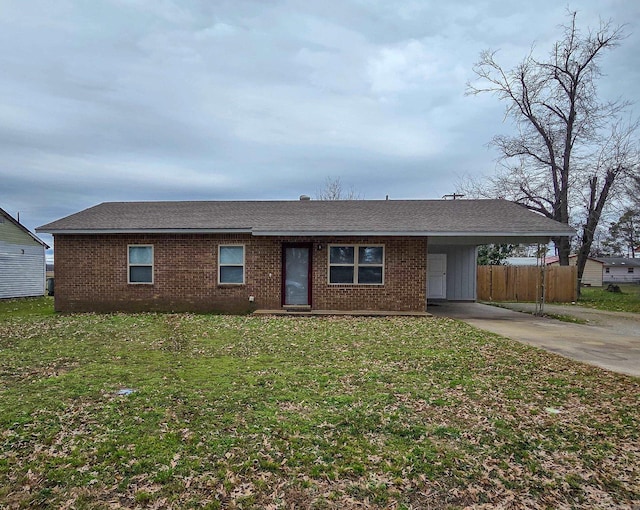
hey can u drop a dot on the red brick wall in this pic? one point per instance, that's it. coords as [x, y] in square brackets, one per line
[91, 274]
[404, 286]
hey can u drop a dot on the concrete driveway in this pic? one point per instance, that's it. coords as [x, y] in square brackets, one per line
[599, 342]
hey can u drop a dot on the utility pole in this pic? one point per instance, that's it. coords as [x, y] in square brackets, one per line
[453, 195]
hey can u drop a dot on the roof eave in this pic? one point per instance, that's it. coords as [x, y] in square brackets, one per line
[61, 231]
[396, 233]
[301, 233]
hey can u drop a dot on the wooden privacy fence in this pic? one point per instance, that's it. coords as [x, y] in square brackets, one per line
[526, 283]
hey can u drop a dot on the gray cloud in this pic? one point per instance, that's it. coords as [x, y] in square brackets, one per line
[155, 100]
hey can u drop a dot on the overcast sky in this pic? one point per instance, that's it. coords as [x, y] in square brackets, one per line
[217, 100]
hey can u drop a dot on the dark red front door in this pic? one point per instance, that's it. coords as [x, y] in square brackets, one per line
[296, 274]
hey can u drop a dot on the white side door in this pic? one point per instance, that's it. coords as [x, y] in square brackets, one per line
[437, 276]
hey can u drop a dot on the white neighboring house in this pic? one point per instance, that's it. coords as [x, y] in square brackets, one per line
[521, 261]
[22, 260]
[620, 270]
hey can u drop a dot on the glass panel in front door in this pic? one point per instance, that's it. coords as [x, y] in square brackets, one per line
[297, 276]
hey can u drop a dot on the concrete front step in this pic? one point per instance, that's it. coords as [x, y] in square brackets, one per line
[353, 313]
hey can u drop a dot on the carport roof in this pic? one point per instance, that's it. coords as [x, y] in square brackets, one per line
[498, 218]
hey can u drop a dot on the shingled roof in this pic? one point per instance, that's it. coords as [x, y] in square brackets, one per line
[314, 217]
[619, 261]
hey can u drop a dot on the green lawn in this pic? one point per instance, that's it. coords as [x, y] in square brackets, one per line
[626, 301]
[263, 412]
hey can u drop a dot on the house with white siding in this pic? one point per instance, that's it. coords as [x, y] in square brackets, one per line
[620, 270]
[22, 260]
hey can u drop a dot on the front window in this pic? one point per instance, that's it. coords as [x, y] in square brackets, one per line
[231, 264]
[361, 265]
[140, 262]
[629, 270]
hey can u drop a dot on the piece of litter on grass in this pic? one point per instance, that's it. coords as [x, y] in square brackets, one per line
[552, 410]
[125, 391]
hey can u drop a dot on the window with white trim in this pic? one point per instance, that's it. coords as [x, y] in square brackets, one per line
[231, 264]
[356, 264]
[140, 263]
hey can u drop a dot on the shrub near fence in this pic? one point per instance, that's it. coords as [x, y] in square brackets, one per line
[523, 283]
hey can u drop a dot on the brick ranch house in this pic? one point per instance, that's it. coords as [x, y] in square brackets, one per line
[378, 255]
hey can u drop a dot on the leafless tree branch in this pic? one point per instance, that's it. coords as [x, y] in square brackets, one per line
[573, 151]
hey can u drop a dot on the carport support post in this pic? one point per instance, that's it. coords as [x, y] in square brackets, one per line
[490, 283]
[541, 280]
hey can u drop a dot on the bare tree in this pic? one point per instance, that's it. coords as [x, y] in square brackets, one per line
[633, 193]
[334, 190]
[571, 151]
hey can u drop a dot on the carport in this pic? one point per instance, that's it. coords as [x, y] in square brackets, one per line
[452, 261]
